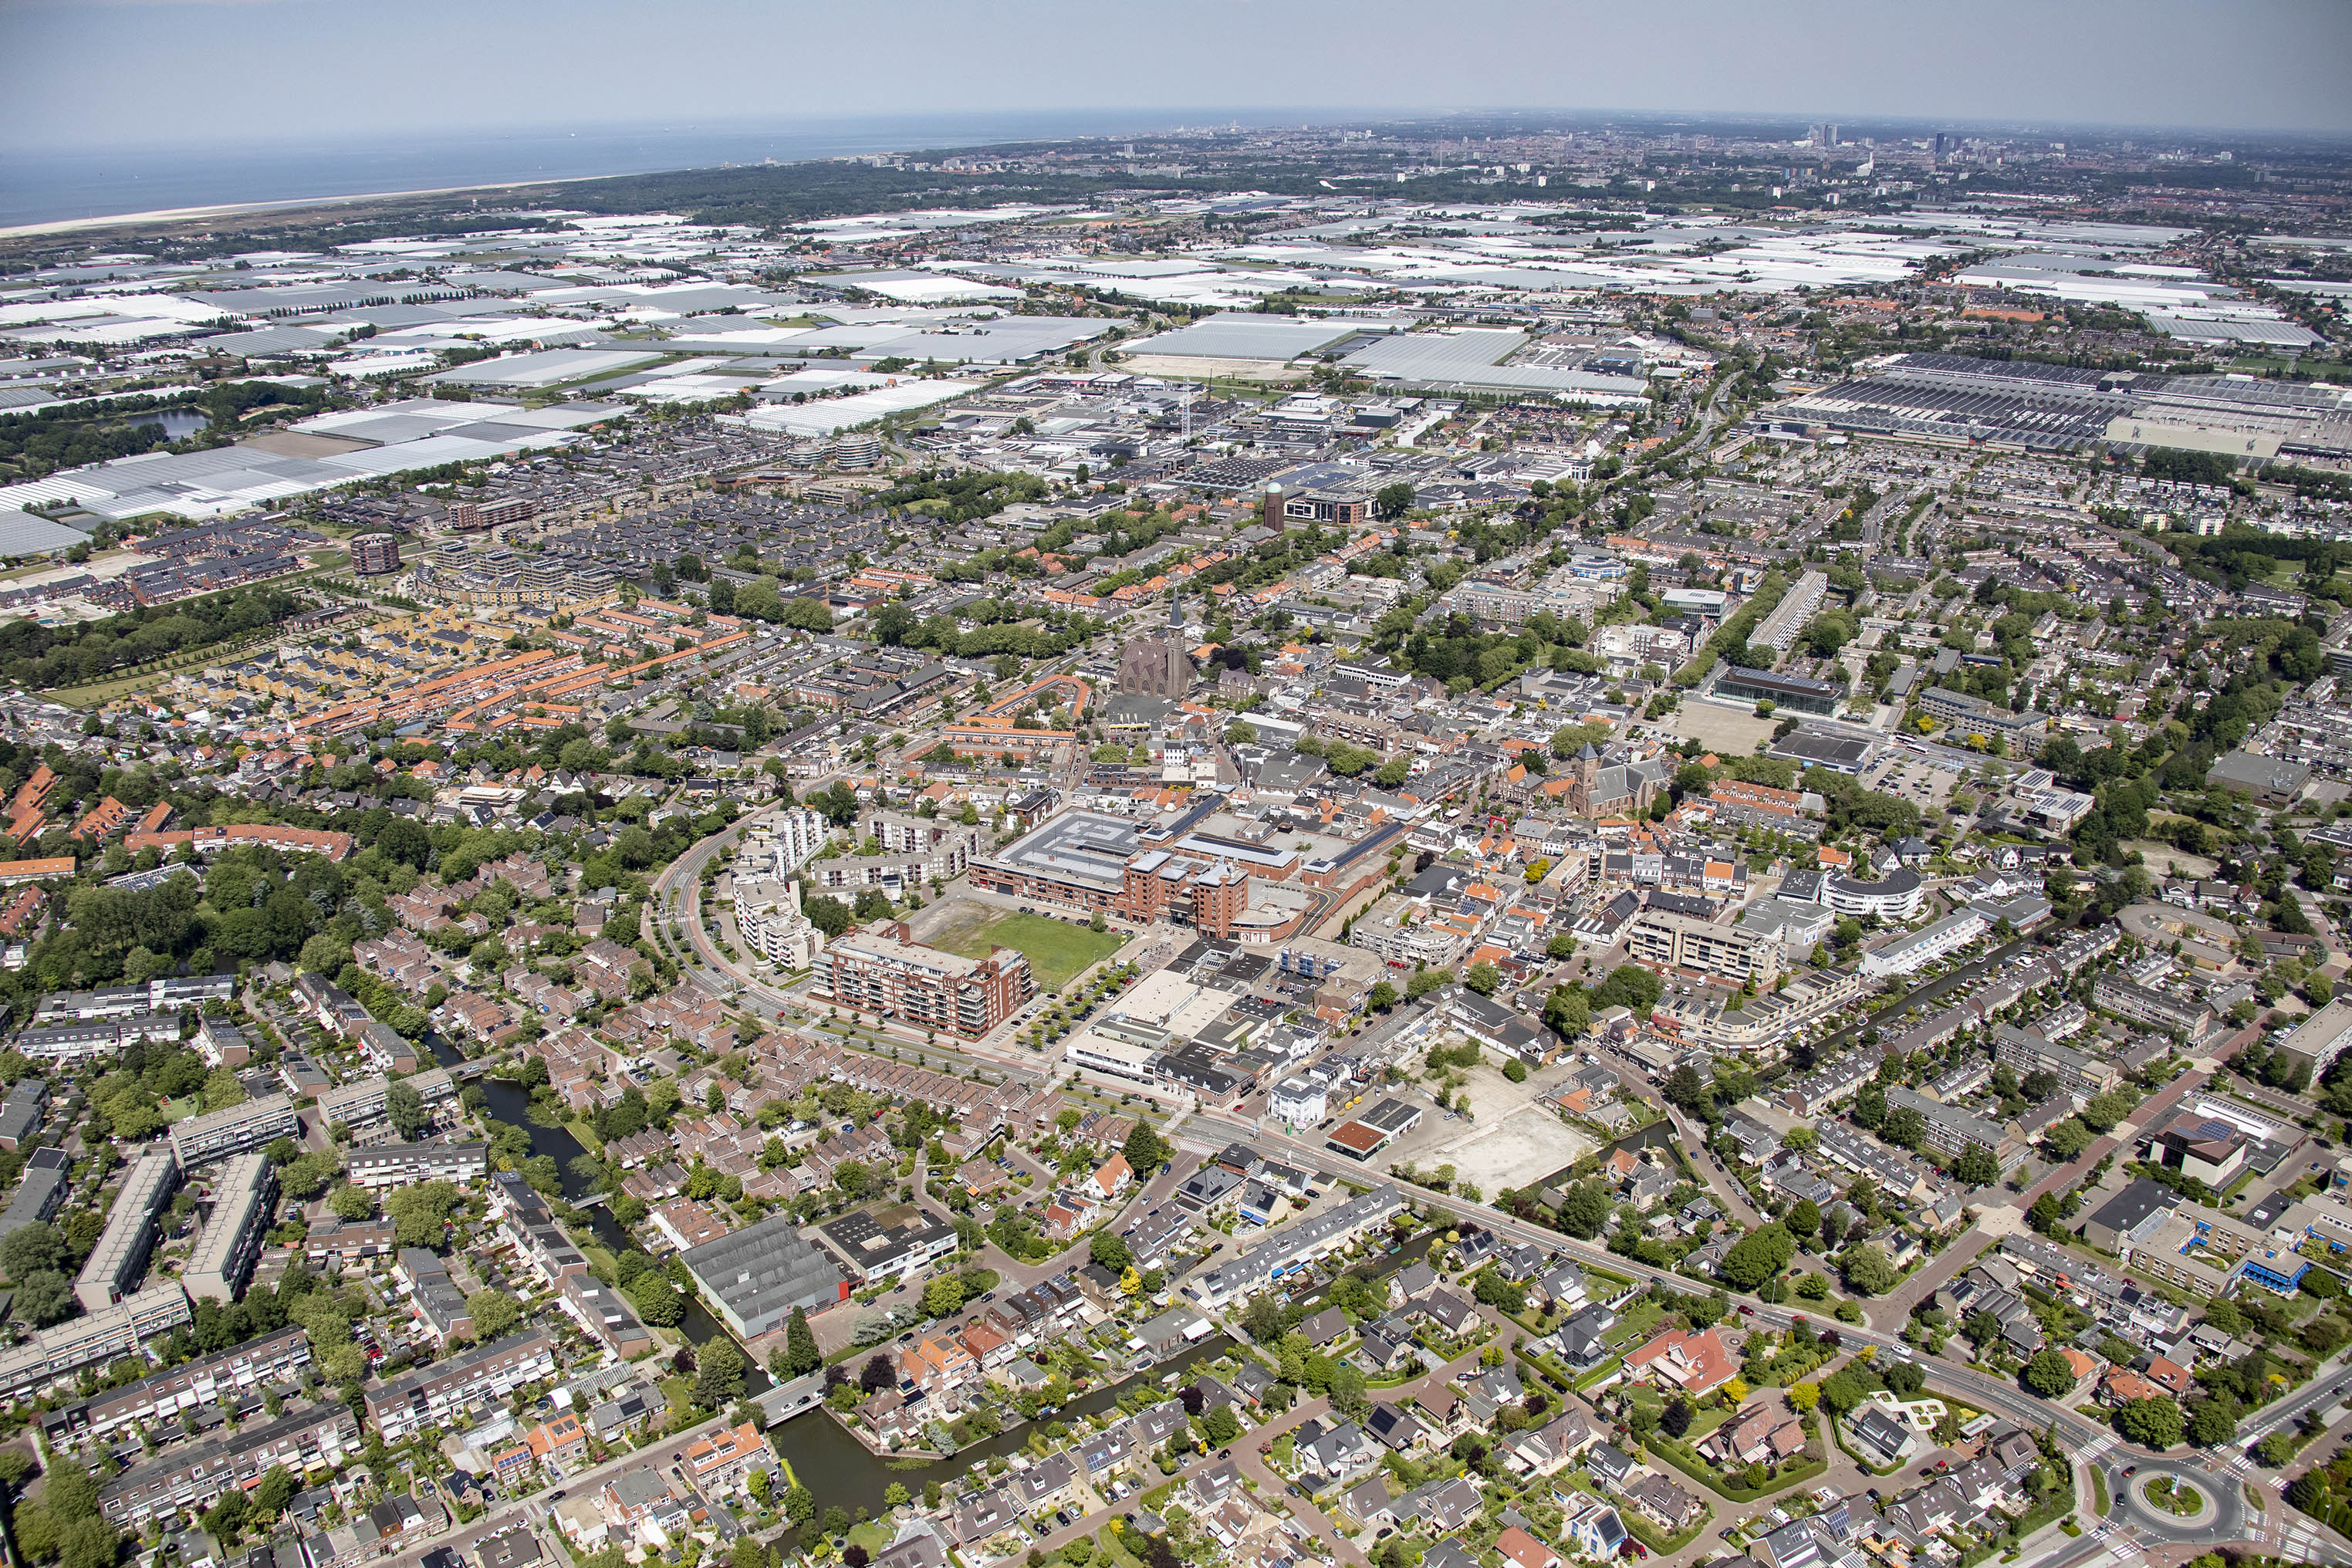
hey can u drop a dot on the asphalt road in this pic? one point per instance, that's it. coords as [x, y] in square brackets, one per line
[2078, 1435]
[2074, 1432]
[529, 1509]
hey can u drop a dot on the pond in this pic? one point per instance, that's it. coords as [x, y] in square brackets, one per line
[177, 423]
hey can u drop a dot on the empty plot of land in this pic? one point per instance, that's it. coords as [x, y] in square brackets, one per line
[1525, 1145]
[1727, 730]
[1058, 951]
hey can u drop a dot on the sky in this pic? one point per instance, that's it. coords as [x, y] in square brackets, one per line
[153, 71]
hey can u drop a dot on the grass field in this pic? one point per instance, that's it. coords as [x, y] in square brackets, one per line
[1056, 950]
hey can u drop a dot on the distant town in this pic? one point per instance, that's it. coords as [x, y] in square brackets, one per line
[1390, 846]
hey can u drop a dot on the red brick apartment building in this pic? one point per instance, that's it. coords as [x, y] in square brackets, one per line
[884, 970]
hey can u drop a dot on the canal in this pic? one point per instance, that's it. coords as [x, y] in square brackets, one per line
[824, 1457]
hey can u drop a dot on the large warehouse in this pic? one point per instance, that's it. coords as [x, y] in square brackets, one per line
[757, 1275]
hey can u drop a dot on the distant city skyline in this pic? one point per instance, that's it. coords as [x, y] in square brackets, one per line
[162, 71]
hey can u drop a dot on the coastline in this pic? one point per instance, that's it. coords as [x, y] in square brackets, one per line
[235, 209]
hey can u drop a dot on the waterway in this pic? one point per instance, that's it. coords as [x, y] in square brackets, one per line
[825, 1459]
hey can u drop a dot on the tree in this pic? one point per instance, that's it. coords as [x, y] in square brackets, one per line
[2211, 1423]
[1221, 1426]
[717, 1374]
[2152, 1422]
[2067, 1138]
[419, 1213]
[800, 1504]
[2102, 1112]
[878, 1374]
[1757, 1256]
[1587, 1210]
[1145, 1149]
[494, 1313]
[1804, 1219]
[1842, 1390]
[1905, 1126]
[32, 1250]
[1391, 501]
[1868, 1270]
[45, 1298]
[1675, 1419]
[657, 1300]
[942, 1295]
[1976, 1167]
[406, 1110]
[1684, 1089]
[801, 1353]
[2049, 1374]
[1804, 1395]
[1110, 1252]
[1483, 978]
[1567, 1012]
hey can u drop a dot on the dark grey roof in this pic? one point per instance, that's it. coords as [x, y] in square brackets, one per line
[765, 1270]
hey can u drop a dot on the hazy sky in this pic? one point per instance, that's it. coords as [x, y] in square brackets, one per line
[146, 70]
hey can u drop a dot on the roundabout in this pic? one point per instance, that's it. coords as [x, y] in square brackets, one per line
[2176, 1500]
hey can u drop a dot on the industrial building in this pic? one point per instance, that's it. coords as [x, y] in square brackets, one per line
[1798, 693]
[756, 1276]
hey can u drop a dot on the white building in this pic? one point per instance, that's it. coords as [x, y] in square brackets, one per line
[1925, 945]
[781, 843]
[1302, 1101]
[1896, 897]
[768, 915]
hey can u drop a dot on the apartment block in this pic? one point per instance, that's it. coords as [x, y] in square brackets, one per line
[1951, 1130]
[430, 1396]
[233, 1130]
[257, 1364]
[884, 970]
[114, 1266]
[364, 1104]
[243, 1196]
[192, 1479]
[2126, 998]
[92, 1339]
[1667, 941]
[407, 1164]
[2025, 1051]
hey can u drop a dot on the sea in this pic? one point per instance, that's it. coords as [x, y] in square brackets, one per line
[56, 184]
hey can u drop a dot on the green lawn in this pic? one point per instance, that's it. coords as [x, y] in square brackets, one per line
[1056, 950]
